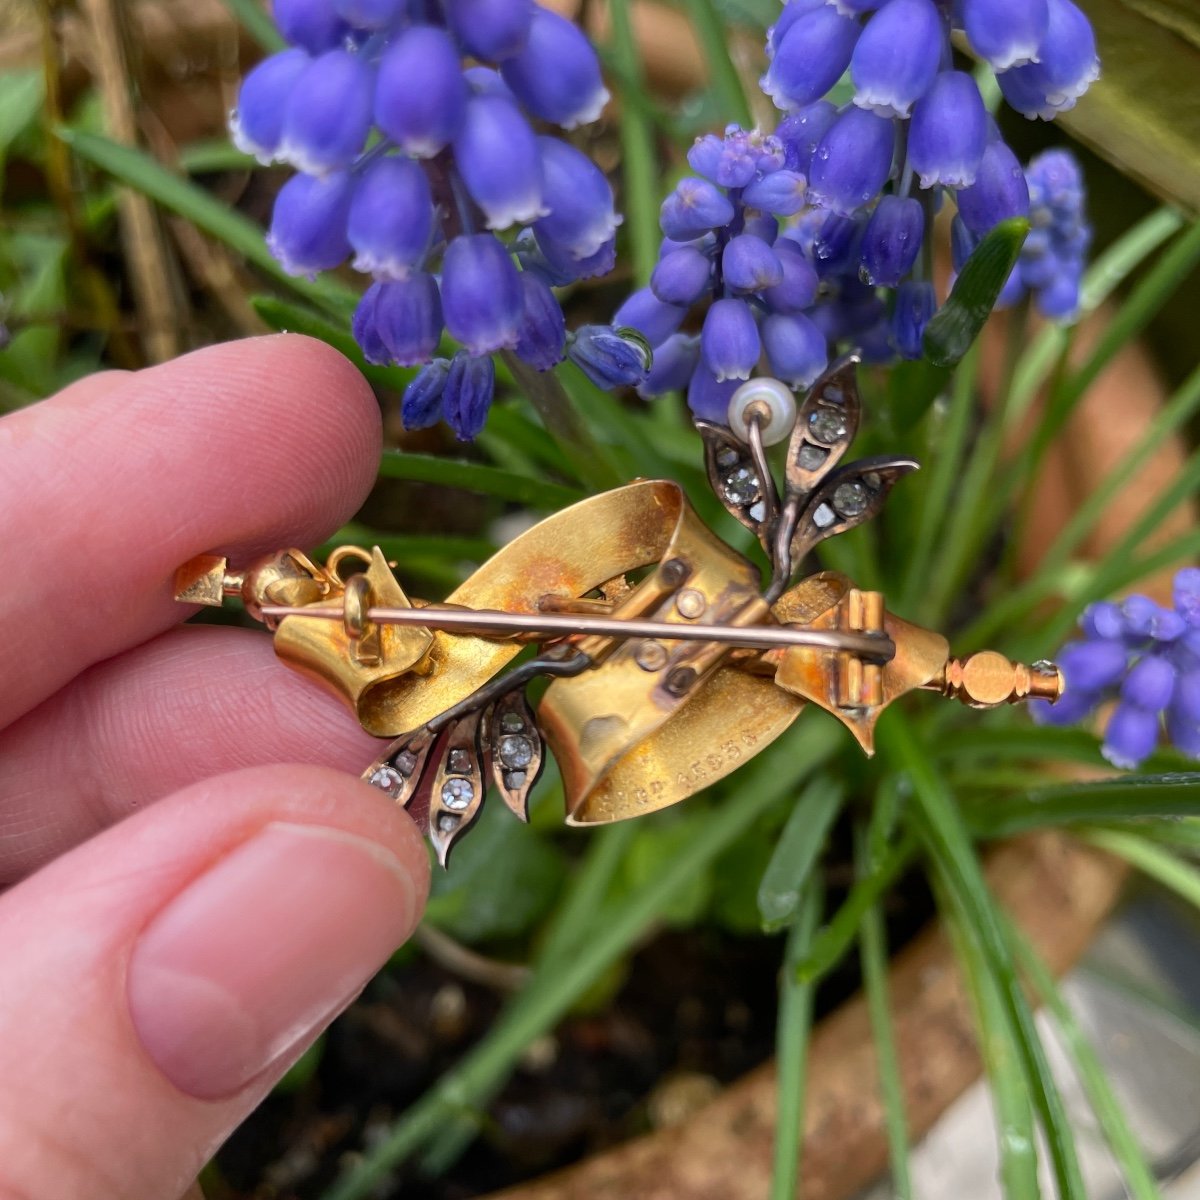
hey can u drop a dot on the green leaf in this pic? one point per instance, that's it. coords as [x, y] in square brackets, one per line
[186, 199]
[1160, 864]
[656, 846]
[956, 325]
[257, 24]
[502, 879]
[797, 851]
[476, 477]
[21, 97]
[214, 155]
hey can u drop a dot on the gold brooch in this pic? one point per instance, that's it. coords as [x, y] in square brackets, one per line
[657, 687]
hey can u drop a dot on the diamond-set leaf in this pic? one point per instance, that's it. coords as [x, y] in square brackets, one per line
[512, 746]
[825, 426]
[734, 477]
[458, 785]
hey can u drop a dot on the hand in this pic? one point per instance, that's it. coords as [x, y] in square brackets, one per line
[184, 916]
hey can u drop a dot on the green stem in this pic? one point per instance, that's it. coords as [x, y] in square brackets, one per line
[793, 1029]
[257, 24]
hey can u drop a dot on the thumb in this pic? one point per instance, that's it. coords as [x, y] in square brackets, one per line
[161, 977]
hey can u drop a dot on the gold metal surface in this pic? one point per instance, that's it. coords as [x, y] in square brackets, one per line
[987, 679]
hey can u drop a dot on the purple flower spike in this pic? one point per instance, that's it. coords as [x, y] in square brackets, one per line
[1007, 33]
[370, 14]
[810, 58]
[682, 276]
[892, 240]
[798, 290]
[1067, 66]
[948, 134]
[256, 125]
[897, 57]
[491, 30]
[328, 114]
[366, 331]
[557, 75]
[470, 386]
[408, 316]
[796, 350]
[390, 224]
[421, 96]
[852, 161]
[781, 193]
[1090, 666]
[1149, 684]
[581, 216]
[566, 268]
[915, 306]
[481, 294]
[497, 156]
[693, 208]
[708, 397]
[749, 264]
[312, 24]
[705, 155]
[674, 362]
[542, 337]
[801, 132]
[729, 341]
[610, 357]
[998, 193]
[653, 319]
[1130, 736]
[421, 405]
[308, 224]
[793, 10]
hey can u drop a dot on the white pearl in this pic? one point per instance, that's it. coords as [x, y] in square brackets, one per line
[773, 395]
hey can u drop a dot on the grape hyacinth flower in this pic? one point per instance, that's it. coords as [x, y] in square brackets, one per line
[411, 132]
[1144, 659]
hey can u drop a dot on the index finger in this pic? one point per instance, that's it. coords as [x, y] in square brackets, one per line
[109, 486]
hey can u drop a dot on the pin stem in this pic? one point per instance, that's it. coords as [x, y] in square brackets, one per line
[485, 622]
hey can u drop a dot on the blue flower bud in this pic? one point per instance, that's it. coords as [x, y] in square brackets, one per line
[1102, 620]
[705, 155]
[850, 8]
[798, 289]
[366, 331]
[557, 75]
[796, 349]
[852, 161]
[801, 132]
[1130, 736]
[646, 313]
[915, 306]
[948, 133]
[312, 24]
[390, 224]
[708, 397]
[470, 386]
[370, 14]
[421, 405]
[793, 10]
[562, 267]
[1059, 300]
[1186, 590]
[421, 96]
[481, 294]
[781, 193]
[308, 224]
[1183, 734]
[674, 362]
[897, 57]
[761, 225]
[581, 216]
[693, 208]
[542, 337]
[497, 156]
[609, 356]
[408, 315]
[729, 340]
[1092, 666]
[1007, 33]
[682, 276]
[491, 30]
[999, 190]
[256, 125]
[1070, 709]
[892, 240]
[962, 242]
[1186, 700]
[836, 244]
[749, 264]
[810, 57]
[1067, 66]
[1149, 684]
[328, 114]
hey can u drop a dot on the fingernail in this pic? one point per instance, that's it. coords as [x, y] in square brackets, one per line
[243, 968]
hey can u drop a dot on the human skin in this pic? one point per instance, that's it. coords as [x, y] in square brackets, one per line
[193, 888]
